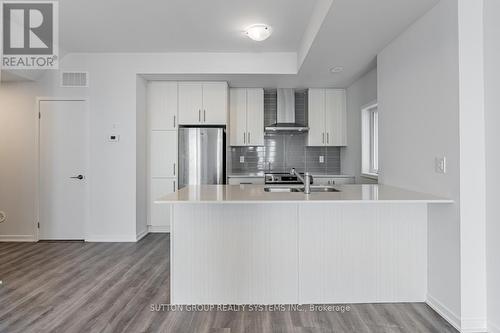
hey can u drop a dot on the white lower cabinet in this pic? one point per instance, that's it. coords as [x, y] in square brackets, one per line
[328, 181]
[160, 213]
[246, 181]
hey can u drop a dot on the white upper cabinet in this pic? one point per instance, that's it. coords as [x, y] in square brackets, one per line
[238, 116]
[255, 117]
[327, 117]
[247, 117]
[163, 154]
[162, 105]
[202, 103]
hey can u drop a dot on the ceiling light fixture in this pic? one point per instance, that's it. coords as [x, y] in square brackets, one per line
[337, 69]
[258, 32]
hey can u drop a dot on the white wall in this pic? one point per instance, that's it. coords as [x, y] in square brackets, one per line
[17, 159]
[359, 94]
[492, 103]
[431, 104]
[419, 120]
[141, 160]
[112, 103]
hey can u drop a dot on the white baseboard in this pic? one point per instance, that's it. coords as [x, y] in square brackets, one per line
[474, 325]
[158, 228]
[493, 327]
[141, 235]
[17, 238]
[111, 238]
[444, 312]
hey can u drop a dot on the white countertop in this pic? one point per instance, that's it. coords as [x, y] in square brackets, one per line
[256, 194]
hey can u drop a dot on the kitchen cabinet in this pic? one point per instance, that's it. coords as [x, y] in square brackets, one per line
[203, 103]
[163, 154]
[162, 105]
[328, 181]
[246, 116]
[246, 180]
[159, 214]
[327, 117]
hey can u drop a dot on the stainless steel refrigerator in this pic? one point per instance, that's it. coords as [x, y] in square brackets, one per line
[202, 156]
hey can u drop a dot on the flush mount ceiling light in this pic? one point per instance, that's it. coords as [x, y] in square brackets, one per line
[258, 32]
[337, 69]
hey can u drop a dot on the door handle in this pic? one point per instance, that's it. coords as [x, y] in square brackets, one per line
[248, 137]
[174, 121]
[174, 169]
[174, 185]
[204, 116]
[199, 115]
[80, 177]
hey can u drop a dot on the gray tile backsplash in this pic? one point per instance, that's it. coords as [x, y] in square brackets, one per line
[283, 151]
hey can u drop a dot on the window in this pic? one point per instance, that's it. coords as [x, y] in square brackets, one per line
[369, 118]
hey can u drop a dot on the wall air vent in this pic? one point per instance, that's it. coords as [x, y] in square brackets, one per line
[75, 79]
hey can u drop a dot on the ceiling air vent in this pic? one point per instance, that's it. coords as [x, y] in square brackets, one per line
[75, 79]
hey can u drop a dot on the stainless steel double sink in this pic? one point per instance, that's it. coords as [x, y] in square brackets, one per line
[314, 189]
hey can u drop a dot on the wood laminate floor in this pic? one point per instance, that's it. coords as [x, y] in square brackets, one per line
[110, 287]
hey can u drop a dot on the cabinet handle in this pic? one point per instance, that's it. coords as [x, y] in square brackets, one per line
[323, 137]
[327, 137]
[199, 115]
[174, 169]
[248, 137]
[174, 186]
[204, 115]
[244, 137]
[174, 121]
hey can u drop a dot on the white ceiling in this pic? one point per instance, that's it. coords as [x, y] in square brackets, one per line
[180, 25]
[351, 35]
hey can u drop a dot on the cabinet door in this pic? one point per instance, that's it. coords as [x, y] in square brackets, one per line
[316, 120]
[160, 213]
[255, 117]
[190, 103]
[214, 110]
[163, 154]
[237, 116]
[335, 111]
[162, 105]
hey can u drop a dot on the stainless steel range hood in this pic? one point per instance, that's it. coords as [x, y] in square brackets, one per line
[286, 113]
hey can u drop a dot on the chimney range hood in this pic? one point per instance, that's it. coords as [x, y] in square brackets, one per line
[286, 113]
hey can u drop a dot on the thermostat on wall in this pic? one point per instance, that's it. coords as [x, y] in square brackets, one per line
[114, 138]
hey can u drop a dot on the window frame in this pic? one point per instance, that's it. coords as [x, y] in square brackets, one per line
[369, 140]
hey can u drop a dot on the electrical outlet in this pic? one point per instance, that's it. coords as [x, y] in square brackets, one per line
[440, 165]
[322, 159]
[242, 159]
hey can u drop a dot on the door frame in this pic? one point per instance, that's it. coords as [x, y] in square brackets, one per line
[36, 230]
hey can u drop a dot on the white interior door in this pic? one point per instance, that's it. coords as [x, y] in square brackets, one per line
[63, 169]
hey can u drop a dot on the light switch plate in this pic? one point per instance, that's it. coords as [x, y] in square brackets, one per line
[242, 159]
[322, 159]
[440, 165]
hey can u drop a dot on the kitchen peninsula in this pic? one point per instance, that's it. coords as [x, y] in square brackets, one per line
[241, 244]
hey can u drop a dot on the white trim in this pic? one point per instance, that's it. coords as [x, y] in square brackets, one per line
[473, 325]
[493, 328]
[39, 99]
[141, 235]
[111, 239]
[159, 228]
[444, 312]
[17, 238]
